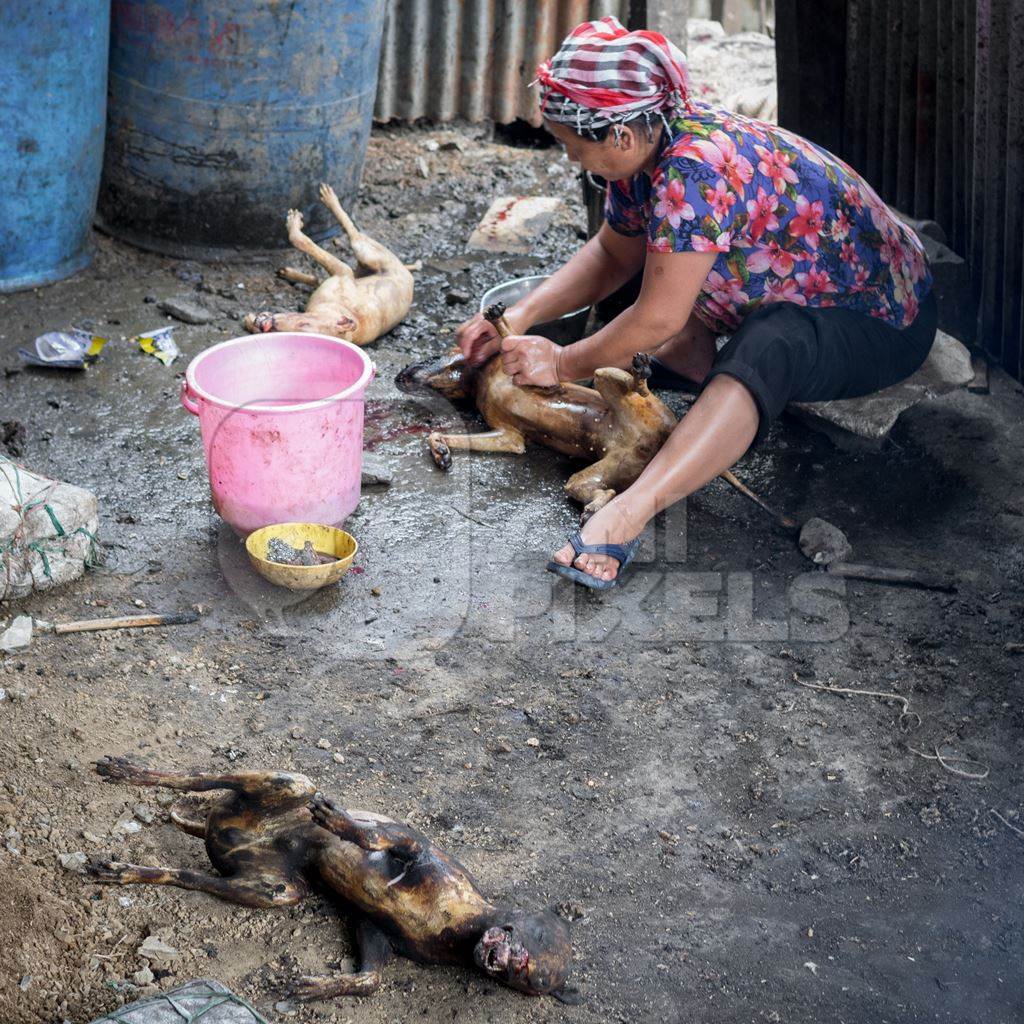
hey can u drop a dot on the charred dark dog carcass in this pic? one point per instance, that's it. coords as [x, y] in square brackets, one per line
[357, 306]
[617, 425]
[270, 834]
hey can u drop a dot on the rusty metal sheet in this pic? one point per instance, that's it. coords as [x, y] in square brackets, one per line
[446, 59]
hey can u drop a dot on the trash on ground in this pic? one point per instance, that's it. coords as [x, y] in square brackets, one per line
[513, 223]
[824, 543]
[200, 1000]
[17, 635]
[47, 531]
[64, 350]
[187, 310]
[159, 343]
[283, 553]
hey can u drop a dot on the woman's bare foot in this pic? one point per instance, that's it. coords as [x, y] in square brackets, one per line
[613, 524]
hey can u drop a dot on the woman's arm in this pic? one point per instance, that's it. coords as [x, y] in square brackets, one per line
[672, 282]
[604, 264]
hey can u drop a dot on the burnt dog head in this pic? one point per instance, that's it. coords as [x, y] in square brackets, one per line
[528, 952]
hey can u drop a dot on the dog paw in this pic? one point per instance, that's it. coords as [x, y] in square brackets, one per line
[325, 812]
[110, 872]
[294, 220]
[327, 194]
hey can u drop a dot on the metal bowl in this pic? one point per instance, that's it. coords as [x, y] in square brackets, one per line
[563, 331]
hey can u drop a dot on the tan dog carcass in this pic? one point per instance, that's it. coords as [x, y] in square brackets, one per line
[618, 425]
[357, 306]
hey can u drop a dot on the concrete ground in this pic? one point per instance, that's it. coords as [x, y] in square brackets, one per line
[729, 844]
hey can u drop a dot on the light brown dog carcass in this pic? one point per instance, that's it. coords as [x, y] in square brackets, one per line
[617, 425]
[357, 306]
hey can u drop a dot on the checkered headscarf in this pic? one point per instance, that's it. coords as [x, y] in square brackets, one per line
[604, 75]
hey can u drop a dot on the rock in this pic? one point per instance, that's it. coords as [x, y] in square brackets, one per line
[286, 1008]
[144, 814]
[144, 976]
[154, 948]
[25, 982]
[17, 635]
[73, 862]
[338, 758]
[323, 744]
[186, 310]
[456, 297]
[533, 742]
[375, 472]
[864, 423]
[513, 223]
[824, 543]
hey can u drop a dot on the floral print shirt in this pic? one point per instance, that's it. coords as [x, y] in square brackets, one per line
[791, 222]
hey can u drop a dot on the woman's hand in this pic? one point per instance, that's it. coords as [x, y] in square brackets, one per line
[530, 359]
[478, 340]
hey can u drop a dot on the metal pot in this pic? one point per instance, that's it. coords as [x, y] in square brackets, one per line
[563, 331]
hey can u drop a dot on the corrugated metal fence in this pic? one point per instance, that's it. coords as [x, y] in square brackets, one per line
[443, 59]
[926, 99]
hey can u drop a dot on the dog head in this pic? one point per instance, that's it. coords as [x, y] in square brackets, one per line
[528, 952]
[448, 375]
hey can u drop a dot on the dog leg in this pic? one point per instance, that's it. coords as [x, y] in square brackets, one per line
[302, 242]
[502, 440]
[298, 276]
[180, 819]
[374, 951]
[263, 891]
[371, 254]
[367, 834]
[271, 789]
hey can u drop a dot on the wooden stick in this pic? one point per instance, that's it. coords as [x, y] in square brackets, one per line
[898, 577]
[784, 522]
[125, 622]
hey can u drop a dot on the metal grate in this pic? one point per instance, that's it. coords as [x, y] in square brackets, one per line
[932, 113]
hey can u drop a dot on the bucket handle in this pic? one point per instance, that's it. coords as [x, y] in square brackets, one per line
[187, 400]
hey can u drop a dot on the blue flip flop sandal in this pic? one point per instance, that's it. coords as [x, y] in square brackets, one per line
[623, 552]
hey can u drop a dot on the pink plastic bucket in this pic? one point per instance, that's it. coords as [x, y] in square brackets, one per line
[281, 418]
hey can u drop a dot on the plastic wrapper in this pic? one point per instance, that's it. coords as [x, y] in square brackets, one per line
[73, 349]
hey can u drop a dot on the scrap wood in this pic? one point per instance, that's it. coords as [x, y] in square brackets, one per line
[886, 574]
[124, 622]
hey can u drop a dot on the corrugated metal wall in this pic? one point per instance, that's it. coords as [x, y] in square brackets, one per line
[445, 59]
[932, 114]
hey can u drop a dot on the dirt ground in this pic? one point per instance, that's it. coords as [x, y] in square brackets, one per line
[729, 845]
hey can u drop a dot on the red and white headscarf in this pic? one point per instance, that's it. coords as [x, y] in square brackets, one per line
[604, 75]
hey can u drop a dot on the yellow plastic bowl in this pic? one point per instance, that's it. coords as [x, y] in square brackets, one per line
[328, 540]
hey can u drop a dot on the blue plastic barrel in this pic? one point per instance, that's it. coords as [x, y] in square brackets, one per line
[53, 99]
[224, 115]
